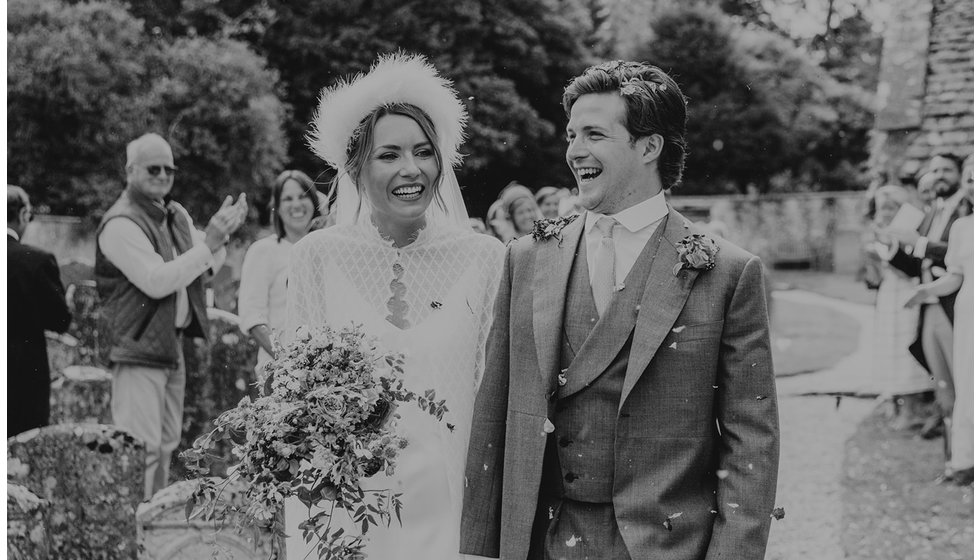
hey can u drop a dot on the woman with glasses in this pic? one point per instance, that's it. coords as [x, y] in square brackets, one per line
[295, 211]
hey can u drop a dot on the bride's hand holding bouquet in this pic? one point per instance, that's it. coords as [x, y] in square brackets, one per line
[326, 423]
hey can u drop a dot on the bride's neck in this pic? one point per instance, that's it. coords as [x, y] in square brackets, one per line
[400, 232]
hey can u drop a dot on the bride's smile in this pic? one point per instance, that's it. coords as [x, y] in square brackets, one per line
[399, 176]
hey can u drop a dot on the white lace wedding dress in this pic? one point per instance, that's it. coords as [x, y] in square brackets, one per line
[433, 301]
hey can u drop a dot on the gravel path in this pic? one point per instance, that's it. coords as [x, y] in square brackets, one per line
[815, 426]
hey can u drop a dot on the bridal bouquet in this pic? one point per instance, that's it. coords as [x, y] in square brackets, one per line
[325, 423]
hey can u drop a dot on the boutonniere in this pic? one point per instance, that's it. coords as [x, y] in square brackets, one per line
[550, 228]
[697, 252]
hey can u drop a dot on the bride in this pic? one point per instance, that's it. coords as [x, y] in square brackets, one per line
[403, 262]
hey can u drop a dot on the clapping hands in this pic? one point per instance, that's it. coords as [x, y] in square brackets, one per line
[225, 221]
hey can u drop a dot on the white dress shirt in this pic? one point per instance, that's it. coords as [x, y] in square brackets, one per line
[130, 250]
[12, 233]
[633, 230]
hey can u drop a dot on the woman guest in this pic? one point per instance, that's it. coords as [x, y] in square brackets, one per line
[548, 199]
[498, 223]
[404, 263]
[959, 280]
[895, 373]
[295, 210]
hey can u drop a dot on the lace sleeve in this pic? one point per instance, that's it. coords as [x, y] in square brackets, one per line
[304, 301]
[491, 268]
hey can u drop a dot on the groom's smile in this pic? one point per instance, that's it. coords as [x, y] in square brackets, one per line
[608, 164]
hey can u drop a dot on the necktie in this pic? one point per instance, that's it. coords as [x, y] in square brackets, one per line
[604, 275]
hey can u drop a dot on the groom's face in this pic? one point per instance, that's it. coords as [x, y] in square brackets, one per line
[609, 168]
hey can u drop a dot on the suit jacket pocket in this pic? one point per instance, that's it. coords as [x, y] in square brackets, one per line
[700, 331]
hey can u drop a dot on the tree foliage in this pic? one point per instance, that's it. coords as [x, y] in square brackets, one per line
[85, 79]
[762, 114]
[509, 59]
[234, 83]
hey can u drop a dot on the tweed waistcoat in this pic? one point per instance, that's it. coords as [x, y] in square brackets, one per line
[585, 422]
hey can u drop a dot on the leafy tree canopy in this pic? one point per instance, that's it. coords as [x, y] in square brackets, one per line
[762, 114]
[83, 80]
[510, 60]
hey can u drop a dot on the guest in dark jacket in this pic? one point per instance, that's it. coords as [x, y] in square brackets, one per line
[35, 303]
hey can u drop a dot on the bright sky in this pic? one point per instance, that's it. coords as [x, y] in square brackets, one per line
[806, 18]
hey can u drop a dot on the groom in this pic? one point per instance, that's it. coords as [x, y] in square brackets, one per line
[628, 409]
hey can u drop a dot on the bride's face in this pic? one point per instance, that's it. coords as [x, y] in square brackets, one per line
[400, 173]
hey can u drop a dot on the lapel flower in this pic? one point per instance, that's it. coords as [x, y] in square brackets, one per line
[697, 252]
[550, 228]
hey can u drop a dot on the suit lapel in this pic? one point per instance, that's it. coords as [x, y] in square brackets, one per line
[612, 331]
[553, 265]
[663, 300]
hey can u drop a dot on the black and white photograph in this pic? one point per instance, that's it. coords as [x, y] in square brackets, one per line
[506, 279]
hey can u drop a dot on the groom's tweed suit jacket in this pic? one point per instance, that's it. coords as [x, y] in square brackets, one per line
[696, 431]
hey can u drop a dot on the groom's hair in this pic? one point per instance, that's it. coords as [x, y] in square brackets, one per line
[654, 105]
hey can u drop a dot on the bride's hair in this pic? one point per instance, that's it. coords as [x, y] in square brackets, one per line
[362, 142]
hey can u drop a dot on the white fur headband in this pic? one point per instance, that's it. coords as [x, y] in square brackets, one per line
[394, 78]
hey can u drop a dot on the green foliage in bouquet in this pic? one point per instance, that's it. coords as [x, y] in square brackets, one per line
[326, 423]
[219, 374]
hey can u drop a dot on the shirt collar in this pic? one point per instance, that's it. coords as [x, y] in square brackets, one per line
[12, 233]
[636, 217]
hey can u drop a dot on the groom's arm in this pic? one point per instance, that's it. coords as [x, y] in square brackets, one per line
[748, 422]
[480, 528]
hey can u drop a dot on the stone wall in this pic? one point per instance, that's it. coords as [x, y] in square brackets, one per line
[819, 230]
[70, 239]
[925, 88]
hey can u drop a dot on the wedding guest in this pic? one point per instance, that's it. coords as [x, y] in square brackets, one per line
[477, 225]
[498, 222]
[958, 282]
[895, 374]
[921, 253]
[522, 212]
[547, 199]
[150, 267]
[35, 303]
[295, 210]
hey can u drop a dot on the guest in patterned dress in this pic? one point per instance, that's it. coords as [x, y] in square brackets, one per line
[895, 373]
[959, 280]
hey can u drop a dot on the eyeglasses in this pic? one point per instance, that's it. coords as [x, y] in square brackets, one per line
[155, 170]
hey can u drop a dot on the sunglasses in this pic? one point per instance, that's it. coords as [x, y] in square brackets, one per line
[155, 170]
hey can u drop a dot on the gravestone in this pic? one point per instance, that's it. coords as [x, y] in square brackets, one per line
[81, 395]
[165, 533]
[91, 477]
[26, 536]
[63, 351]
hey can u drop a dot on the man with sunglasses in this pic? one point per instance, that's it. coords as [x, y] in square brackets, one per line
[35, 303]
[150, 267]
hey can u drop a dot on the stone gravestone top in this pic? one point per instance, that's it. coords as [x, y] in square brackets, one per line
[91, 477]
[165, 533]
[81, 395]
[26, 537]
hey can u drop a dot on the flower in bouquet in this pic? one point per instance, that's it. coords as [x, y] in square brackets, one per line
[326, 422]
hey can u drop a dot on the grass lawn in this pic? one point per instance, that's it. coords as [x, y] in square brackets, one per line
[830, 284]
[892, 506]
[809, 338]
